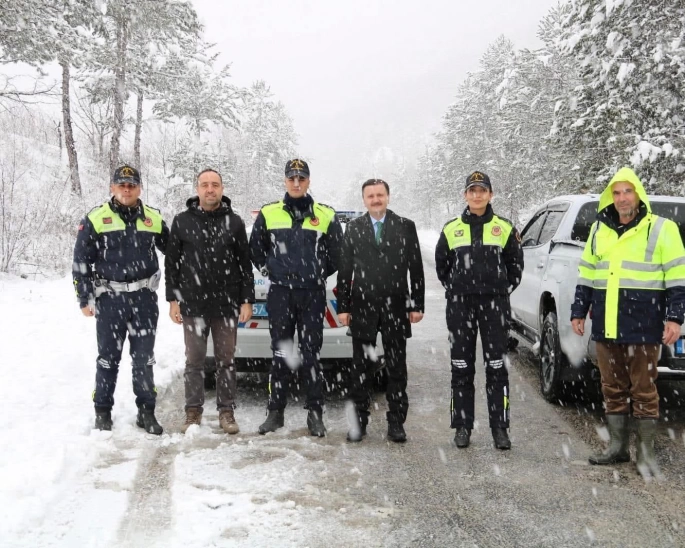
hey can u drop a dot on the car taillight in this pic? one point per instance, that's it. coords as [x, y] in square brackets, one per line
[335, 291]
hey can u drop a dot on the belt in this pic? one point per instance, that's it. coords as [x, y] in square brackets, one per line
[104, 286]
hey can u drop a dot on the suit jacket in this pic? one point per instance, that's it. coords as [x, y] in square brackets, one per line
[372, 279]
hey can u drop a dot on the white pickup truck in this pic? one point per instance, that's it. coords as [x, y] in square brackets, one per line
[553, 242]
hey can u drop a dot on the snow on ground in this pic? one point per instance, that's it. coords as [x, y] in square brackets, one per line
[428, 240]
[64, 484]
[50, 468]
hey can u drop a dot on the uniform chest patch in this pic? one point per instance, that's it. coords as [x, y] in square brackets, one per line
[458, 233]
[314, 221]
[496, 230]
[107, 220]
[147, 221]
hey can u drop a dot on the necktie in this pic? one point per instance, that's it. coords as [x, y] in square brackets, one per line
[379, 232]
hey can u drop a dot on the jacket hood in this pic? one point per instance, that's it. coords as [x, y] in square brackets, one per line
[627, 175]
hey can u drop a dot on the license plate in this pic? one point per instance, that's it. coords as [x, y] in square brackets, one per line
[259, 310]
[680, 347]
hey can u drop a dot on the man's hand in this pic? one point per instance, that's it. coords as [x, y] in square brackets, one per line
[671, 332]
[344, 318]
[578, 325]
[245, 312]
[88, 310]
[175, 312]
[415, 317]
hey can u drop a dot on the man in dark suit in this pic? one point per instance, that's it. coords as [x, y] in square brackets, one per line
[378, 251]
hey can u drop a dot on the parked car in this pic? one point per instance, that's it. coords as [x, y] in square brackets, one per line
[253, 347]
[553, 242]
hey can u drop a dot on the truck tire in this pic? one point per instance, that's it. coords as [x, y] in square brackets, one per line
[552, 360]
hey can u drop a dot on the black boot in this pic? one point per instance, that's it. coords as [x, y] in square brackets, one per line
[501, 438]
[462, 437]
[357, 431]
[273, 422]
[396, 432]
[646, 459]
[315, 424]
[147, 421]
[103, 419]
[618, 442]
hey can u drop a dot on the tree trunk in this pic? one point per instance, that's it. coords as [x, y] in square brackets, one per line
[139, 129]
[68, 132]
[119, 91]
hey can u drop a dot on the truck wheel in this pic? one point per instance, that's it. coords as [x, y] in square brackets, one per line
[552, 360]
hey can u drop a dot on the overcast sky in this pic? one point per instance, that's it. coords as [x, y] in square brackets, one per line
[357, 75]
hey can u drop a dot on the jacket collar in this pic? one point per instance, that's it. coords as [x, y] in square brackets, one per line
[471, 219]
[128, 213]
[193, 205]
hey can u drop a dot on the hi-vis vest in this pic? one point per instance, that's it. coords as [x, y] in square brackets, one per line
[278, 218]
[646, 257]
[495, 232]
[105, 220]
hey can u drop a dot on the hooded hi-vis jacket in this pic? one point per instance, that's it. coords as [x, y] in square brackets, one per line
[635, 280]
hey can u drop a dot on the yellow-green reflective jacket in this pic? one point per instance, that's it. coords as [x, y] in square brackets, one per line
[479, 255]
[635, 281]
[297, 252]
[117, 244]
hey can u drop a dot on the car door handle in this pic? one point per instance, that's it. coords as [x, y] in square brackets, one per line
[540, 265]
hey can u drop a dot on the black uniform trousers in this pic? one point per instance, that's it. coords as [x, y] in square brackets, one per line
[302, 309]
[466, 315]
[117, 314]
[361, 373]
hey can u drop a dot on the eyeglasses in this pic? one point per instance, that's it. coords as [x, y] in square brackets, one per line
[129, 186]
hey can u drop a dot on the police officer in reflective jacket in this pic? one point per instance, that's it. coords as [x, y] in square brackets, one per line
[296, 243]
[116, 275]
[479, 261]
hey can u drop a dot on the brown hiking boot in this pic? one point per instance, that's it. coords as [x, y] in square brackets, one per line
[227, 421]
[193, 416]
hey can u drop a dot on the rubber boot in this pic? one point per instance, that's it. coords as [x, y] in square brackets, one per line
[146, 420]
[619, 437]
[273, 422]
[646, 459]
[103, 419]
[315, 424]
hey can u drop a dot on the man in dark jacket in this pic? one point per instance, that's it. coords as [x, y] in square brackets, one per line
[379, 250]
[632, 274]
[479, 261]
[116, 275]
[210, 287]
[296, 243]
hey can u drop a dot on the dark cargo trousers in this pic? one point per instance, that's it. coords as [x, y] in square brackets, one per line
[629, 374]
[195, 333]
[361, 373]
[466, 315]
[117, 314]
[301, 309]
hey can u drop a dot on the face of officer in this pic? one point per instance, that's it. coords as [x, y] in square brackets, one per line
[376, 199]
[296, 186]
[210, 189]
[626, 201]
[125, 192]
[478, 198]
